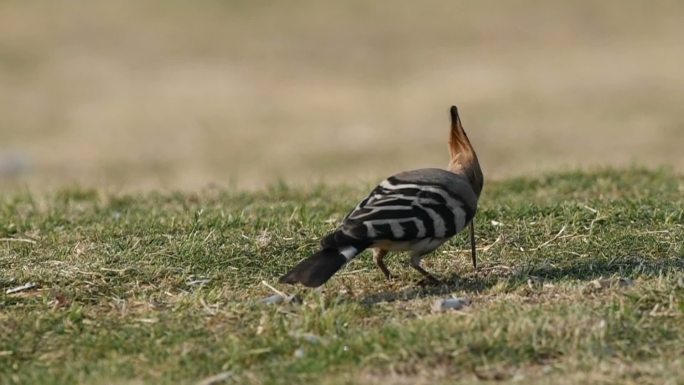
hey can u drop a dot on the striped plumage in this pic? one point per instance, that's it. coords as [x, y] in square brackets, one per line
[413, 205]
[415, 211]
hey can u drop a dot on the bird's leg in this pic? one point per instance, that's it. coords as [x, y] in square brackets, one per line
[378, 255]
[415, 263]
[472, 244]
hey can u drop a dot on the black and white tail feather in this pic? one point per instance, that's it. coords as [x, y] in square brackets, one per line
[415, 211]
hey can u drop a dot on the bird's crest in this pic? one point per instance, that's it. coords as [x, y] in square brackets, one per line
[463, 158]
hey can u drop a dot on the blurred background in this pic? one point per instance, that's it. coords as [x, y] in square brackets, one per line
[139, 95]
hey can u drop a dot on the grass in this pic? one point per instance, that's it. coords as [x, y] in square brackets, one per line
[581, 281]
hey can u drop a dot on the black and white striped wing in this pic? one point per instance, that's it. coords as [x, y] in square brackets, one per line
[401, 211]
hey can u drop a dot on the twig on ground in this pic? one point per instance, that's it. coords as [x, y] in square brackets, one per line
[25, 240]
[562, 230]
[274, 289]
[350, 272]
[483, 248]
[216, 379]
[24, 287]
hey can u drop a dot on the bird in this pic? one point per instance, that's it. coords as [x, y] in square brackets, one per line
[414, 211]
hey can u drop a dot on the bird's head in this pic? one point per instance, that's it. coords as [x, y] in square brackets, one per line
[463, 158]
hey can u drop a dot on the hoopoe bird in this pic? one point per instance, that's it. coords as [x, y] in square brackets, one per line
[415, 211]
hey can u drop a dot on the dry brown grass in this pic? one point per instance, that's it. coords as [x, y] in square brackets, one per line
[137, 95]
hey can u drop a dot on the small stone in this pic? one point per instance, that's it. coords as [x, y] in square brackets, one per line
[274, 299]
[449, 304]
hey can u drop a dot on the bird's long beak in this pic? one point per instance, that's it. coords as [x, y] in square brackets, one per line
[472, 243]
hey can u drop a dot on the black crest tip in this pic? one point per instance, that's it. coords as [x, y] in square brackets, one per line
[454, 113]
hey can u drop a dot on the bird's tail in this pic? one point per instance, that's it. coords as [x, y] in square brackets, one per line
[318, 268]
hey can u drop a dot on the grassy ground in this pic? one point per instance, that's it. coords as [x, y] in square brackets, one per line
[581, 280]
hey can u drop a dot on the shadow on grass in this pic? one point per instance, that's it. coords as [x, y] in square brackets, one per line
[514, 278]
[589, 269]
[471, 284]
